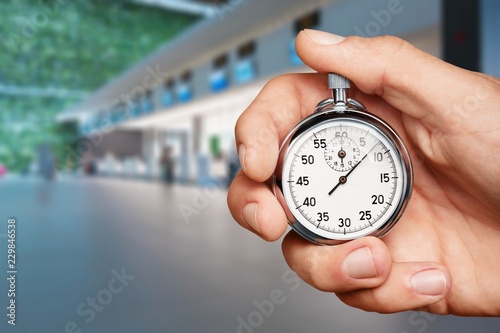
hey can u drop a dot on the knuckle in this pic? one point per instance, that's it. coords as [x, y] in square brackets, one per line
[315, 274]
[233, 198]
[365, 300]
[356, 41]
[309, 271]
[390, 44]
[279, 80]
[387, 43]
[391, 41]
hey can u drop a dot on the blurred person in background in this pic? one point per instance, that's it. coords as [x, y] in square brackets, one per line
[46, 162]
[442, 257]
[167, 165]
[89, 166]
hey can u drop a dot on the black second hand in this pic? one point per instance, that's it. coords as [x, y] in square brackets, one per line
[343, 179]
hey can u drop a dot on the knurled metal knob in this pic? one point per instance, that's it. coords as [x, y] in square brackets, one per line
[336, 81]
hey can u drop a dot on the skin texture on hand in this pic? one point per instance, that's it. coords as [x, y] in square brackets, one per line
[442, 256]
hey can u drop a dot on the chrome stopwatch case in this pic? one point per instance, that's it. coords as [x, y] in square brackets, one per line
[342, 172]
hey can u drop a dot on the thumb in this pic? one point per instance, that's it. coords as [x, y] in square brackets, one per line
[363, 275]
[409, 286]
[407, 78]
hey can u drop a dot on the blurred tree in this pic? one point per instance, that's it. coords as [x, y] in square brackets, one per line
[76, 45]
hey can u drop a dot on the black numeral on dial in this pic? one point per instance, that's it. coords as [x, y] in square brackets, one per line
[303, 181]
[319, 143]
[309, 202]
[307, 159]
[323, 217]
[365, 215]
[378, 199]
[344, 222]
[384, 178]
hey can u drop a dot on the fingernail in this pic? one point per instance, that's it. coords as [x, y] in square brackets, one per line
[323, 38]
[250, 216]
[241, 153]
[431, 282]
[359, 264]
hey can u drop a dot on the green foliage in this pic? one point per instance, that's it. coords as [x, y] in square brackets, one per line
[78, 45]
[25, 123]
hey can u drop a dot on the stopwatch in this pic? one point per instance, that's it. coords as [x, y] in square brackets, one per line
[342, 173]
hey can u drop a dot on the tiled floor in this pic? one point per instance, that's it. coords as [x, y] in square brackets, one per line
[104, 255]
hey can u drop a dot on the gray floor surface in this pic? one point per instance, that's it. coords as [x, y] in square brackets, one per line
[108, 255]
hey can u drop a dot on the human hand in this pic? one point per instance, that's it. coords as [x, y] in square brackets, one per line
[442, 256]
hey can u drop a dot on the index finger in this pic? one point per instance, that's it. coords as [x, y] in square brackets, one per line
[417, 83]
[281, 104]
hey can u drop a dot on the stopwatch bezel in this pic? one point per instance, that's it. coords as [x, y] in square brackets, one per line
[383, 129]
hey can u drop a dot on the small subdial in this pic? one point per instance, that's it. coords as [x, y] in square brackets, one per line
[342, 154]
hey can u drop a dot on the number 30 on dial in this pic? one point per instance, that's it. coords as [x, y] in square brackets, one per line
[342, 176]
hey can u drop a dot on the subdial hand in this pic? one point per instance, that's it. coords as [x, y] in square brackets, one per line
[343, 179]
[342, 155]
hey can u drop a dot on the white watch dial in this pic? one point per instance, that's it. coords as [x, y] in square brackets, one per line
[343, 178]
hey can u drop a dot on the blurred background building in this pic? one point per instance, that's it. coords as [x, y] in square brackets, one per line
[186, 96]
[122, 96]
[107, 100]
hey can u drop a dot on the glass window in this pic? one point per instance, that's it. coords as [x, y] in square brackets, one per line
[219, 78]
[135, 109]
[147, 102]
[310, 21]
[167, 96]
[119, 114]
[245, 68]
[87, 127]
[184, 88]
